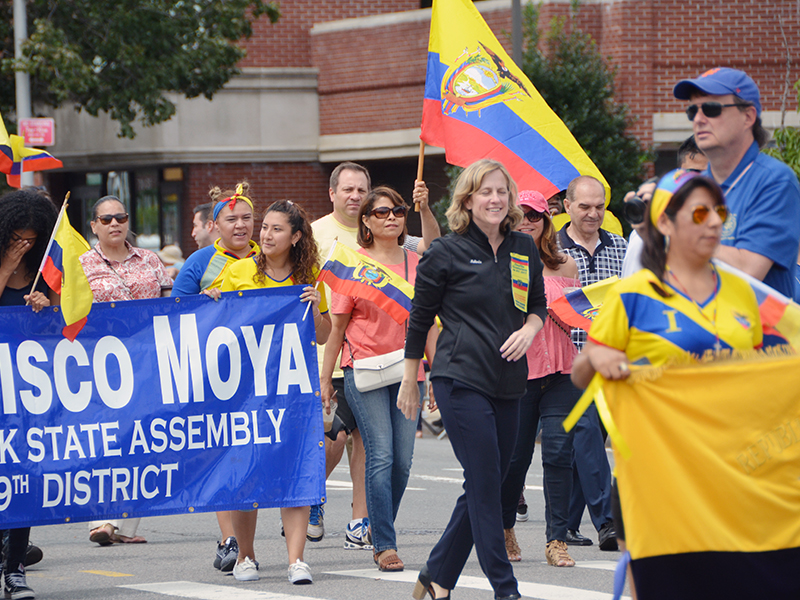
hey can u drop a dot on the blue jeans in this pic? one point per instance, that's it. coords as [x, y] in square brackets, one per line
[389, 445]
[550, 399]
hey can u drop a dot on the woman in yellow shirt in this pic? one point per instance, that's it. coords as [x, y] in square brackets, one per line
[288, 256]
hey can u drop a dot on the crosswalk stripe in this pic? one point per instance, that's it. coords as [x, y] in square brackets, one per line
[205, 591]
[108, 573]
[541, 591]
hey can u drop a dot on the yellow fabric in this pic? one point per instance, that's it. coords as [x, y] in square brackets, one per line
[714, 462]
[76, 294]
[240, 276]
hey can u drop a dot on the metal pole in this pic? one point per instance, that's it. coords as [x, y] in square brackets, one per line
[516, 32]
[22, 79]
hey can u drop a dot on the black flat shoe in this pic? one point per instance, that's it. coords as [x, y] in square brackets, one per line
[574, 538]
[607, 537]
[424, 586]
[511, 597]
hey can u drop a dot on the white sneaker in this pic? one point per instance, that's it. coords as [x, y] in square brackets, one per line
[299, 573]
[245, 570]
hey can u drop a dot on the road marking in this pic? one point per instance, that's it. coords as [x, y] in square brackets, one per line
[336, 484]
[108, 573]
[205, 591]
[531, 590]
[459, 480]
[601, 565]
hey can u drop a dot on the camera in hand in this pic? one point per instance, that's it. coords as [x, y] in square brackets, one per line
[633, 210]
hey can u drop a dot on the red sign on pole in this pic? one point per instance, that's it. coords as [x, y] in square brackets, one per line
[38, 132]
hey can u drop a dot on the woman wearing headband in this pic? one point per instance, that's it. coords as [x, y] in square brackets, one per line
[679, 305]
[117, 271]
[288, 256]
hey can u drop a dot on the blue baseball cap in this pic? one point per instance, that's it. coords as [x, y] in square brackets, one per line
[718, 82]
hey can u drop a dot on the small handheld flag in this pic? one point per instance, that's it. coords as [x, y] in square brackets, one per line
[352, 274]
[15, 158]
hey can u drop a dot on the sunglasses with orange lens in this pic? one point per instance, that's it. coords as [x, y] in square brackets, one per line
[701, 211]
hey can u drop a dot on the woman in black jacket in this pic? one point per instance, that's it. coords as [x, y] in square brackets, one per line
[485, 282]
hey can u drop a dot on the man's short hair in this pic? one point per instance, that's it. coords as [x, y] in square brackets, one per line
[760, 135]
[205, 211]
[573, 185]
[348, 166]
[688, 148]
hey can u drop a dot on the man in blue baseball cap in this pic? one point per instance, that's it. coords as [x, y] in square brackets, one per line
[762, 233]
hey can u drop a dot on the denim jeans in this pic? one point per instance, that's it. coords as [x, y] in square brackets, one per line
[550, 399]
[389, 445]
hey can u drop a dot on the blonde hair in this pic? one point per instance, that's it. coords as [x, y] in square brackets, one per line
[469, 182]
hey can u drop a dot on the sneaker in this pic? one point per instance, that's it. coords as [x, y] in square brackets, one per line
[245, 570]
[522, 509]
[33, 555]
[299, 573]
[15, 586]
[316, 523]
[227, 554]
[357, 535]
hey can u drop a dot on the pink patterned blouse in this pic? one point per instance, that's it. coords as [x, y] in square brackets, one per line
[141, 275]
[552, 350]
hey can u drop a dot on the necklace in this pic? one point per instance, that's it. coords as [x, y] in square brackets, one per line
[713, 319]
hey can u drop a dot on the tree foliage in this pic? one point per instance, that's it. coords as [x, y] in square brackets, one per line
[787, 142]
[124, 56]
[565, 66]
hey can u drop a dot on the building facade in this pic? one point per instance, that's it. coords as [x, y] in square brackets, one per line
[338, 80]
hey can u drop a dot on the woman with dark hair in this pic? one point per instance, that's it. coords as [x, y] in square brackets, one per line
[118, 271]
[484, 281]
[288, 257]
[366, 330]
[26, 224]
[679, 306]
[549, 396]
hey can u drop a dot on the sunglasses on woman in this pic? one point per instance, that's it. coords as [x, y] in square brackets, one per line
[106, 219]
[701, 211]
[710, 109]
[534, 216]
[382, 212]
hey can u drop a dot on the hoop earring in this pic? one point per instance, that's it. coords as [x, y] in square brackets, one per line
[666, 244]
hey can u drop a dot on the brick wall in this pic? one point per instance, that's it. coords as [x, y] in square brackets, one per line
[306, 183]
[287, 42]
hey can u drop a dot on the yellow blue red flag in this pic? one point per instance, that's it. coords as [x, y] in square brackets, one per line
[711, 488]
[62, 270]
[352, 274]
[16, 158]
[479, 104]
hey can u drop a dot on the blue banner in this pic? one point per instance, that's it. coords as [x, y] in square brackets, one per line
[160, 407]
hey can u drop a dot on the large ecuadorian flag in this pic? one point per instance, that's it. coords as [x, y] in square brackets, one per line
[479, 104]
[352, 274]
[710, 494]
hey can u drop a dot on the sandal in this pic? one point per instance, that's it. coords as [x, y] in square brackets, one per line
[102, 535]
[124, 539]
[557, 555]
[512, 547]
[388, 561]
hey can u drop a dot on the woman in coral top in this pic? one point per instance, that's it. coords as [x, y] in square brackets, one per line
[550, 395]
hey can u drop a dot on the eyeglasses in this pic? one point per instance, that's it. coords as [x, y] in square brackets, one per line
[534, 216]
[701, 211]
[106, 219]
[710, 109]
[382, 212]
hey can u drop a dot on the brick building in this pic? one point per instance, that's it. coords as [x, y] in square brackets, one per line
[341, 80]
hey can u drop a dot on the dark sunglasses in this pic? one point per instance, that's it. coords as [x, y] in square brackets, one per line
[710, 109]
[701, 211]
[382, 212]
[534, 216]
[106, 219]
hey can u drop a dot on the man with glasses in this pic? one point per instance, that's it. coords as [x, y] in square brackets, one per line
[762, 233]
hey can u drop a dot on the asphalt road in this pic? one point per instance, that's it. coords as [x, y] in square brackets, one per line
[177, 560]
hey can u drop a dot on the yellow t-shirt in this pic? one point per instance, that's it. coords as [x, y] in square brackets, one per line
[651, 329]
[326, 230]
[241, 276]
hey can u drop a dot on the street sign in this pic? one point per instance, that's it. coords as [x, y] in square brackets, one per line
[38, 132]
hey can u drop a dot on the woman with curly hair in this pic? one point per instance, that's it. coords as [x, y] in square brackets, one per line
[26, 223]
[288, 257]
[549, 395]
[388, 436]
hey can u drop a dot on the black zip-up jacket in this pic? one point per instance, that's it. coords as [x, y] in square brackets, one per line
[460, 279]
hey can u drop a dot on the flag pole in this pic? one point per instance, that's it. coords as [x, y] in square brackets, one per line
[316, 284]
[49, 245]
[420, 164]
